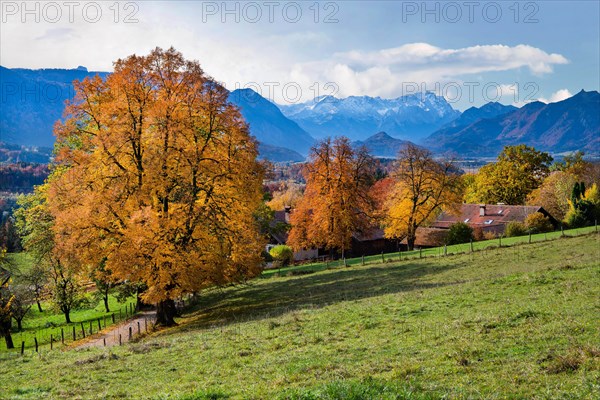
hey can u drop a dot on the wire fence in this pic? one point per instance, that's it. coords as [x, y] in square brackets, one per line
[56, 337]
[441, 251]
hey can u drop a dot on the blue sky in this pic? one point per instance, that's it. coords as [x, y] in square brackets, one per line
[469, 52]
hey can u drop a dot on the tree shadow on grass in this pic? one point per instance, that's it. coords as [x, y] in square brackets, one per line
[267, 298]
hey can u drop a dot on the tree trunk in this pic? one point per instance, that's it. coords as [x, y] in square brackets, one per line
[9, 341]
[39, 306]
[140, 304]
[106, 304]
[165, 313]
[67, 316]
[410, 241]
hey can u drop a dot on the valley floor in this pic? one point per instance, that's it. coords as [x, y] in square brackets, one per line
[517, 322]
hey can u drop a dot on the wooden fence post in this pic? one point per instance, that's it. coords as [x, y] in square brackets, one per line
[104, 341]
[130, 334]
[36, 344]
[382, 257]
[139, 329]
[471, 244]
[74, 334]
[62, 335]
[51, 342]
[120, 340]
[445, 250]
[82, 330]
[113, 318]
[99, 325]
[420, 252]
[146, 324]
[22, 347]
[529, 237]
[363, 260]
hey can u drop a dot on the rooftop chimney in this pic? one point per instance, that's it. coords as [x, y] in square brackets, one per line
[288, 211]
[482, 210]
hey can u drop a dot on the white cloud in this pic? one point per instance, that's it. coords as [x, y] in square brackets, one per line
[387, 72]
[557, 96]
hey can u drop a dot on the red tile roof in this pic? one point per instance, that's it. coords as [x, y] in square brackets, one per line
[495, 214]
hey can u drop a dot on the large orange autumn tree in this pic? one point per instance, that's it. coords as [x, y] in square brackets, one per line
[157, 180]
[336, 202]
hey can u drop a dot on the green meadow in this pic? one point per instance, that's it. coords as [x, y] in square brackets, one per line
[507, 322]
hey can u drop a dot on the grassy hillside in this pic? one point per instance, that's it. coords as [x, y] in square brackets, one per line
[518, 322]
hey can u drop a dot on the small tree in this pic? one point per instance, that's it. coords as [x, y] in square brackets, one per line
[37, 280]
[282, 255]
[104, 284]
[515, 228]
[23, 299]
[538, 223]
[66, 290]
[458, 233]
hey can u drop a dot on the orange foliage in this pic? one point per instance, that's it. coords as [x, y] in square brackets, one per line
[336, 200]
[158, 176]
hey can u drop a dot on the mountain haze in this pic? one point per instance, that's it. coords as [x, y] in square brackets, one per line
[31, 101]
[565, 126]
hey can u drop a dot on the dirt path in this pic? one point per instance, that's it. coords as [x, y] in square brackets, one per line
[139, 324]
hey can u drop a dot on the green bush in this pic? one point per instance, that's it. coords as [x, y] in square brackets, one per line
[515, 228]
[575, 218]
[459, 233]
[538, 223]
[282, 255]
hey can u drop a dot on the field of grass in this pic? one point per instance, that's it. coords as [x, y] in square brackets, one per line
[43, 325]
[517, 322]
[436, 251]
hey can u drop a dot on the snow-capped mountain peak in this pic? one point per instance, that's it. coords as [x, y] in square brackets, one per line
[410, 117]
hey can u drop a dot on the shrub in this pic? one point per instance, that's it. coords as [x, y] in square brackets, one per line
[489, 235]
[538, 223]
[515, 228]
[266, 256]
[459, 233]
[282, 255]
[478, 234]
[575, 218]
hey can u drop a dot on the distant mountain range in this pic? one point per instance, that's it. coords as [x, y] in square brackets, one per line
[269, 125]
[33, 100]
[568, 125]
[411, 117]
[382, 145]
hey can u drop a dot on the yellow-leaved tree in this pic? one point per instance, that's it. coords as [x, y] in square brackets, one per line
[423, 188]
[159, 180]
[336, 202]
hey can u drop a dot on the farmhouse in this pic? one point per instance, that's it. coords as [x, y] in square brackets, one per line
[489, 218]
[363, 244]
